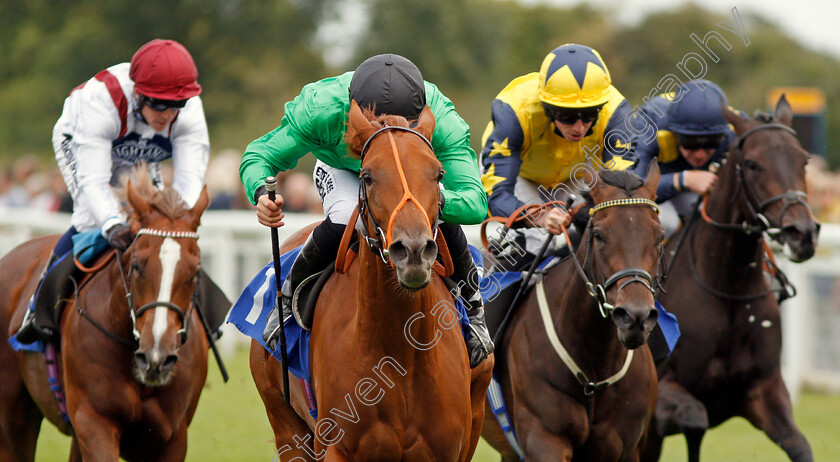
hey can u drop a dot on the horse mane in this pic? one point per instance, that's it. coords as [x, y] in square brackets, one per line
[628, 181]
[356, 139]
[167, 201]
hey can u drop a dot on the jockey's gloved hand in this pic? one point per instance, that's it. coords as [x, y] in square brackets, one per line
[120, 237]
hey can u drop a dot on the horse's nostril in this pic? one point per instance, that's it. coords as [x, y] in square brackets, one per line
[621, 317]
[141, 360]
[398, 251]
[170, 361]
[429, 251]
[653, 315]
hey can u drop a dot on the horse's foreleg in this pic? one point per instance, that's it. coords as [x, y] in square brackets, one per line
[693, 440]
[650, 446]
[768, 408]
[75, 452]
[542, 446]
[176, 449]
[292, 437]
[20, 423]
[480, 380]
[677, 411]
[98, 437]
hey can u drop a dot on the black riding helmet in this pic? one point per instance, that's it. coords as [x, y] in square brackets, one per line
[390, 84]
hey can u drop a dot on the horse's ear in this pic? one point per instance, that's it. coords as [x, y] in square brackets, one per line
[734, 118]
[783, 113]
[652, 181]
[426, 123]
[357, 119]
[200, 205]
[136, 200]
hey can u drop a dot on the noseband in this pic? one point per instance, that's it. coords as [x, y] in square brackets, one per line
[638, 275]
[756, 221]
[382, 242]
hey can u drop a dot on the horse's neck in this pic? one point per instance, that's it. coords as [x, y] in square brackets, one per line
[384, 309]
[726, 252]
[578, 321]
[107, 281]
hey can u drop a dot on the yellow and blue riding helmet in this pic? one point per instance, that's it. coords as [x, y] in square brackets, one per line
[574, 76]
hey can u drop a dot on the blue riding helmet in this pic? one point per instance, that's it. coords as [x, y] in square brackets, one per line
[698, 112]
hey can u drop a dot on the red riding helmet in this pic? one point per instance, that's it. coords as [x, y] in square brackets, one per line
[164, 69]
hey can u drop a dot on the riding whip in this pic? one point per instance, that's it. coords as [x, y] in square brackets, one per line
[271, 186]
[534, 264]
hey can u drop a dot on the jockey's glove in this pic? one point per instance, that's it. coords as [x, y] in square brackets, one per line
[120, 237]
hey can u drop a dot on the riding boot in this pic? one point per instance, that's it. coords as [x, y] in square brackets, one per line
[479, 343]
[30, 331]
[311, 260]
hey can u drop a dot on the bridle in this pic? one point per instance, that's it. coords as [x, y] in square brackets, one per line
[382, 242]
[128, 284]
[598, 291]
[756, 221]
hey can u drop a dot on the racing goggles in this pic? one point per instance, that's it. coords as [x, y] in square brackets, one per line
[160, 105]
[569, 116]
[694, 142]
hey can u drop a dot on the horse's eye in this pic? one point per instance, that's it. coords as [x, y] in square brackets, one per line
[440, 175]
[367, 177]
[597, 236]
[751, 164]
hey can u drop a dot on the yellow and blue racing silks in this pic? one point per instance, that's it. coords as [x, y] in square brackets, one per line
[520, 140]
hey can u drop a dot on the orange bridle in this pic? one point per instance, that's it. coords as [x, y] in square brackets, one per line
[382, 244]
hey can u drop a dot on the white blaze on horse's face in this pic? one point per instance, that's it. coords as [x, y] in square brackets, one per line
[170, 254]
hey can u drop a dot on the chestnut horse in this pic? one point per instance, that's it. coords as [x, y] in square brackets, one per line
[597, 309]
[391, 378]
[727, 362]
[133, 357]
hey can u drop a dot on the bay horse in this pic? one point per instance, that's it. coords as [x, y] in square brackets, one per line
[596, 308]
[133, 357]
[727, 362]
[391, 380]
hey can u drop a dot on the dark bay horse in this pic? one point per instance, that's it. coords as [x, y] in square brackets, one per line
[727, 362]
[601, 312]
[132, 367]
[390, 374]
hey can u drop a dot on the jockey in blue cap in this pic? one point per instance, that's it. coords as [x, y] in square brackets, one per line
[691, 138]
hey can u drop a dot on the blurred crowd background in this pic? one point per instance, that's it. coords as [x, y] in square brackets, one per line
[32, 183]
[254, 55]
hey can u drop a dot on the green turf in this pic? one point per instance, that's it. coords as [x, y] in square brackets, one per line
[231, 425]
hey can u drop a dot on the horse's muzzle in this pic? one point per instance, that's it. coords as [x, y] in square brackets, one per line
[799, 240]
[634, 324]
[413, 260]
[154, 371]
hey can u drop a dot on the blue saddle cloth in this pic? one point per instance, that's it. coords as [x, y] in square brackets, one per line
[250, 314]
[87, 247]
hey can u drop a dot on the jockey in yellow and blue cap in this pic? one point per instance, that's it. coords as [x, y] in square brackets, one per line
[690, 136]
[548, 129]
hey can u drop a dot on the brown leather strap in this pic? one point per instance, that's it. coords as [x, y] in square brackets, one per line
[448, 267]
[98, 267]
[342, 261]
